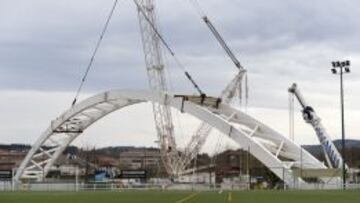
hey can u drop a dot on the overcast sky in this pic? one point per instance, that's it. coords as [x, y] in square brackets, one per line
[45, 46]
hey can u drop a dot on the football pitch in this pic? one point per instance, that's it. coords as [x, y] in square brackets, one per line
[182, 197]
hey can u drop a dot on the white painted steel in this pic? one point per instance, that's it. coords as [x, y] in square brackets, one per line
[332, 155]
[262, 141]
[202, 132]
[157, 81]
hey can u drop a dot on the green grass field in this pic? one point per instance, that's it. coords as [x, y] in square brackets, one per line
[182, 197]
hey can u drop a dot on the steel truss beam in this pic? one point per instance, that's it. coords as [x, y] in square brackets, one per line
[275, 151]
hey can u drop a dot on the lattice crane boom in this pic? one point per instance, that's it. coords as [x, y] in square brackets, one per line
[227, 95]
[174, 162]
[203, 130]
[157, 82]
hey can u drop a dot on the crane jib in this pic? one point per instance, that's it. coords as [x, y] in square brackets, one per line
[331, 153]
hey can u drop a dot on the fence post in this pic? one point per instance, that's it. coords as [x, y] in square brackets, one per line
[12, 180]
[77, 179]
[283, 174]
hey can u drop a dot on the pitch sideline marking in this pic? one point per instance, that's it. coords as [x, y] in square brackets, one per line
[188, 197]
[229, 197]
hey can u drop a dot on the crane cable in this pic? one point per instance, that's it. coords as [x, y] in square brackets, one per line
[168, 48]
[291, 117]
[216, 33]
[92, 58]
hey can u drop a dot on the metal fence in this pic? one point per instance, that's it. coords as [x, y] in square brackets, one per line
[7, 186]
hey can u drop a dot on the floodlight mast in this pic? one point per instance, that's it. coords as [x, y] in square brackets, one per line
[157, 82]
[344, 67]
[332, 155]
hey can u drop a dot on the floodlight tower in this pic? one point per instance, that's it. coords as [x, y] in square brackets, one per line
[340, 68]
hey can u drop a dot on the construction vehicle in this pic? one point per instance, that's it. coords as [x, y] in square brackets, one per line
[332, 155]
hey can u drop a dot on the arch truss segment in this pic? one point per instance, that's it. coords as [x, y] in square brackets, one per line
[275, 151]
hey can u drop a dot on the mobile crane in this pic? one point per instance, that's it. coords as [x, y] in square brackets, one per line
[332, 155]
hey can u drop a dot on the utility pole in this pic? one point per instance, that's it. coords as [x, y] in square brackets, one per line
[344, 67]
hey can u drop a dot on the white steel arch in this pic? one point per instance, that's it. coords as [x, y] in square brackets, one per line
[275, 151]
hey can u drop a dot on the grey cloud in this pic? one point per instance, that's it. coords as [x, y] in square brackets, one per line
[277, 24]
[46, 46]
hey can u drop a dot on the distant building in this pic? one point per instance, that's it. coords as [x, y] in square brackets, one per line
[11, 159]
[140, 158]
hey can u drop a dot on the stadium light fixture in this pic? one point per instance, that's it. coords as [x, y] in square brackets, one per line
[344, 67]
